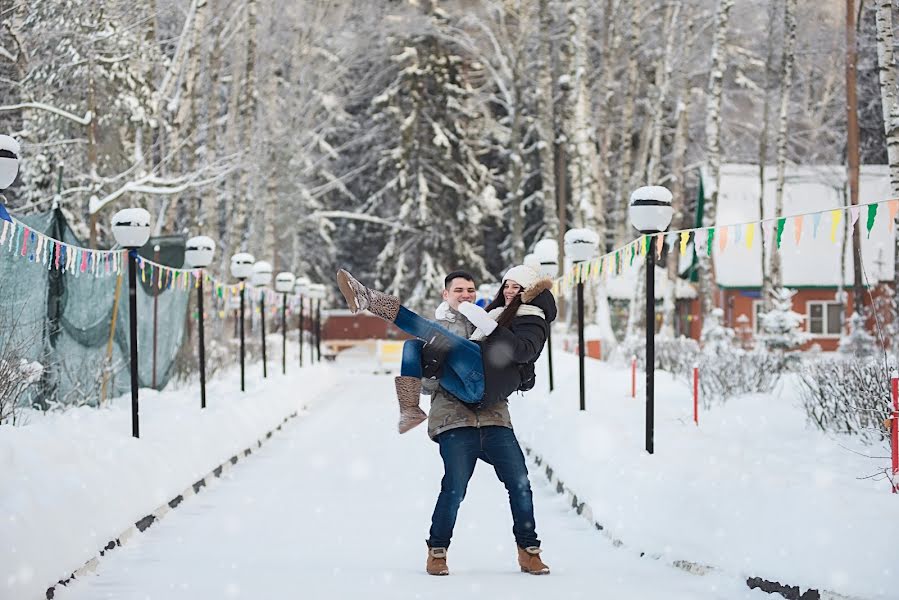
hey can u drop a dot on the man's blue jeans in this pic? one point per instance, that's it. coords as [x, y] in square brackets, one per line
[463, 370]
[496, 445]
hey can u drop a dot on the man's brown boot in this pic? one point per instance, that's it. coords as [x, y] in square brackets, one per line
[529, 561]
[408, 393]
[437, 562]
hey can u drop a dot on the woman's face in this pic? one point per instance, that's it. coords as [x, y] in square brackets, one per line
[510, 290]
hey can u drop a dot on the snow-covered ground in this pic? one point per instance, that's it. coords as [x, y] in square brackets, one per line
[336, 504]
[753, 490]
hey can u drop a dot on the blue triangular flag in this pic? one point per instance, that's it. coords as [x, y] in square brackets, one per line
[3, 214]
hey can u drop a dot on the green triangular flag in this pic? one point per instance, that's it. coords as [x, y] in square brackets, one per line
[872, 214]
[781, 222]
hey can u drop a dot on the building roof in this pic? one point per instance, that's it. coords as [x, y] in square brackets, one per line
[815, 261]
[623, 285]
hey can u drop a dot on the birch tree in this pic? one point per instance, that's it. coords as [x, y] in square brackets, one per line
[713, 131]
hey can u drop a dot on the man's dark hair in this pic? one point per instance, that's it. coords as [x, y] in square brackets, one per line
[457, 275]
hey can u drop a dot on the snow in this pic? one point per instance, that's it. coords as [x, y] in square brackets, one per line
[815, 261]
[337, 505]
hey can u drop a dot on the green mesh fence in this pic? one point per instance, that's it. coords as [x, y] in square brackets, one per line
[63, 321]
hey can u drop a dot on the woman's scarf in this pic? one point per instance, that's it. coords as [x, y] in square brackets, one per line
[524, 310]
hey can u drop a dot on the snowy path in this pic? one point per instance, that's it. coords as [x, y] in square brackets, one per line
[337, 505]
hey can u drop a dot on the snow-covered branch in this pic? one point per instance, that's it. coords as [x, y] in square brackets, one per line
[85, 120]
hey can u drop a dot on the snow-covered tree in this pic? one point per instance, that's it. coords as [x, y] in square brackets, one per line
[857, 341]
[781, 327]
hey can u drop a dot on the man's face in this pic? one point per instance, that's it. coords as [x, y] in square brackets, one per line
[459, 290]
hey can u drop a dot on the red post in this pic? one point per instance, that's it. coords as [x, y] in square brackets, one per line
[633, 376]
[894, 430]
[696, 395]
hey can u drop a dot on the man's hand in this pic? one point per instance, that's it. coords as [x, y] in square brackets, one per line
[433, 354]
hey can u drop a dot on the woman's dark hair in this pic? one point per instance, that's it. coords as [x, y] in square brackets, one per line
[510, 311]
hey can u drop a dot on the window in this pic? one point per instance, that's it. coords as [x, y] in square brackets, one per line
[825, 318]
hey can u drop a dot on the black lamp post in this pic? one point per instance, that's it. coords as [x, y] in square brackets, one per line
[581, 245]
[284, 284]
[650, 213]
[301, 287]
[262, 276]
[198, 254]
[241, 269]
[131, 228]
[547, 253]
[316, 292]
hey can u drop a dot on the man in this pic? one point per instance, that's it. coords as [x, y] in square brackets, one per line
[467, 433]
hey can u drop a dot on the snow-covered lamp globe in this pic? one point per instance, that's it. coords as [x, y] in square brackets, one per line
[581, 245]
[650, 209]
[547, 253]
[301, 286]
[530, 260]
[131, 227]
[9, 161]
[262, 273]
[284, 282]
[242, 265]
[199, 251]
[316, 291]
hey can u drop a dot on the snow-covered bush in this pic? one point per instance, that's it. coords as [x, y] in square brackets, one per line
[781, 328]
[734, 372]
[858, 342]
[674, 355]
[16, 375]
[847, 394]
[715, 336]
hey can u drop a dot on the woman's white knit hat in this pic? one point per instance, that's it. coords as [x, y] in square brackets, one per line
[523, 275]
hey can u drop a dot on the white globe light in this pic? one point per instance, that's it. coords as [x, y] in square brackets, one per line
[530, 260]
[9, 161]
[262, 273]
[316, 291]
[581, 245]
[242, 265]
[301, 286]
[131, 227]
[199, 251]
[284, 282]
[547, 253]
[650, 209]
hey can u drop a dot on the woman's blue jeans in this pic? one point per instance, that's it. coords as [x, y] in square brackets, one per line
[460, 449]
[463, 370]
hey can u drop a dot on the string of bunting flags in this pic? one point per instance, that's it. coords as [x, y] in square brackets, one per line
[23, 242]
[725, 236]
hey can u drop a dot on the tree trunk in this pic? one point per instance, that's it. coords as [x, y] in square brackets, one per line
[713, 135]
[786, 83]
[890, 106]
[763, 155]
[546, 130]
[852, 151]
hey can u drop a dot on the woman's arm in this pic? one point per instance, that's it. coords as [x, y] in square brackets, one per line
[521, 346]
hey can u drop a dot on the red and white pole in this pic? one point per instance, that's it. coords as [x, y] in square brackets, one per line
[894, 429]
[696, 395]
[633, 376]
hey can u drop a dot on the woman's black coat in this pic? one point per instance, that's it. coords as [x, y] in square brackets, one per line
[520, 342]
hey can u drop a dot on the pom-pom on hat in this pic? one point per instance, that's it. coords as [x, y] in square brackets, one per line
[523, 275]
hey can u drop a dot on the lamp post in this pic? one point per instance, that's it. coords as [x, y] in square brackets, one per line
[317, 293]
[284, 284]
[9, 168]
[547, 254]
[131, 228]
[650, 213]
[262, 276]
[241, 268]
[580, 245]
[302, 288]
[198, 253]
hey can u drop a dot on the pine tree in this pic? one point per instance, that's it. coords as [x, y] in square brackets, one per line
[435, 187]
[781, 327]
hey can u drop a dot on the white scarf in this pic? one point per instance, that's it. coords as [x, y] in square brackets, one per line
[523, 310]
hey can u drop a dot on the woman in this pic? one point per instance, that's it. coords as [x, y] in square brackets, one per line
[510, 332]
